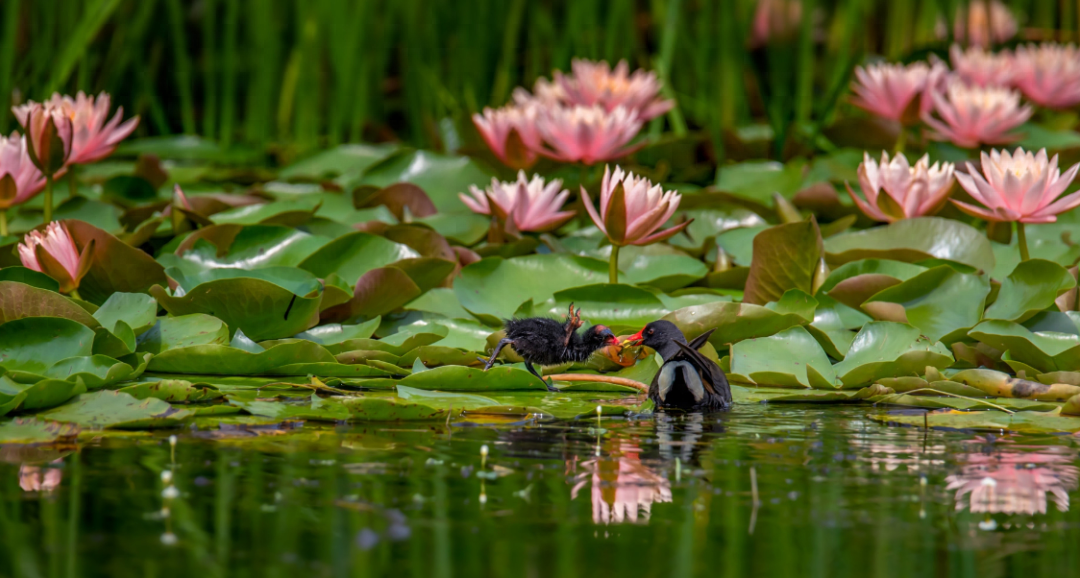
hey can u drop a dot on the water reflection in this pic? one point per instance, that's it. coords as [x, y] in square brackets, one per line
[1014, 479]
[623, 488]
[40, 478]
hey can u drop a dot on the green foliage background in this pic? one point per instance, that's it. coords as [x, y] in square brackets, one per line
[308, 73]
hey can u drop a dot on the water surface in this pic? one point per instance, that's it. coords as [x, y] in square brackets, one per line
[765, 490]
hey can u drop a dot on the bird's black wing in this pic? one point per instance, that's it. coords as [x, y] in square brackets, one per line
[700, 340]
[712, 377]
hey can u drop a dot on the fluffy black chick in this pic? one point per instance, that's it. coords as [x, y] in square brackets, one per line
[546, 341]
[687, 380]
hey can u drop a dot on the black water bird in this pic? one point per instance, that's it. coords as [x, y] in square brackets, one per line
[687, 380]
[545, 341]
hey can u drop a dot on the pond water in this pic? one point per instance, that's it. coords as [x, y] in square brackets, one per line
[765, 490]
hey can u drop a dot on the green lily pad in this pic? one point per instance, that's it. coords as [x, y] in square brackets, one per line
[442, 177]
[34, 431]
[19, 300]
[492, 289]
[289, 213]
[791, 358]
[457, 378]
[445, 399]
[887, 349]
[333, 333]
[43, 394]
[785, 257]
[344, 163]
[113, 409]
[610, 305]
[1044, 351]
[96, 371]
[183, 331]
[460, 228]
[995, 421]
[742, 394]
[942, 302]
[758, 180]
[225, 360]
[735, 322]
[267, 303]
[137, 310]
[442, 301]
[1030, 288]
[665, 272]
[173, 390]
[914, 240]
[29, 277]
[354, 254]
[34, 344]
[245, 247]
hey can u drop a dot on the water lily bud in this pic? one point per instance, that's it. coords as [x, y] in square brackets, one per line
[785, 210]
[821, 273]
[723, 260]
[48, 136]
[55, 254]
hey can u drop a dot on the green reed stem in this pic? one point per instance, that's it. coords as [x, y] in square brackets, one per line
[1021, 239]
[75, 294]
[48, 198]
[3, 223]
[613, 265]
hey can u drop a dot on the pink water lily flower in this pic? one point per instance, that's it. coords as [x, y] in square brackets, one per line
[596, 83]
[1049, 74]
[511, 133]
[632, 210]
[983, 68]
[974, 115]
[775, 19]
[588, 134]
[1021, 187]
[55, 254]
[984, 22]
[532, 205]
[890, 90]
[25, 179]
[92, 137]
[49, 137]
[909, 191]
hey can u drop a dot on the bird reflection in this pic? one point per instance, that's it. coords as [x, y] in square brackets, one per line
[35, 478]
[623, 488]
[679, 435]
[1015, 479]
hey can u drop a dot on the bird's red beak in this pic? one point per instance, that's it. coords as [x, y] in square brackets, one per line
[636, 338]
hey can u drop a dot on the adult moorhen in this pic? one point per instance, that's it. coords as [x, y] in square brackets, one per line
[687, 380]
[546, 341]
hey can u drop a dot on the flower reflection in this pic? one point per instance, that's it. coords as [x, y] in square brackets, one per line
[1015, 481]
[35, 478]
[623, 488]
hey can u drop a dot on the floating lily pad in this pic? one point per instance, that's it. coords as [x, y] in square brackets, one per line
[442, 177]
[225, 360]
[41, 395]
[34, 431]
[19, 300]
[34, 344]
[183, 331]
[785, 257]
[112, 409]
[457, 378]
[494, 288]
[942, 302]
[97, 371]
[1046, 352]
[914, 240]
[887, 349]
[735, 322]
[173, 390]
[266, 303]
[1030, 288]
[993, 421]
[354, 254]
[29, 277]
[791, 358]
[345, 163]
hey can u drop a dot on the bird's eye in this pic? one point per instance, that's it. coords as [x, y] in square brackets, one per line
[650, 332]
